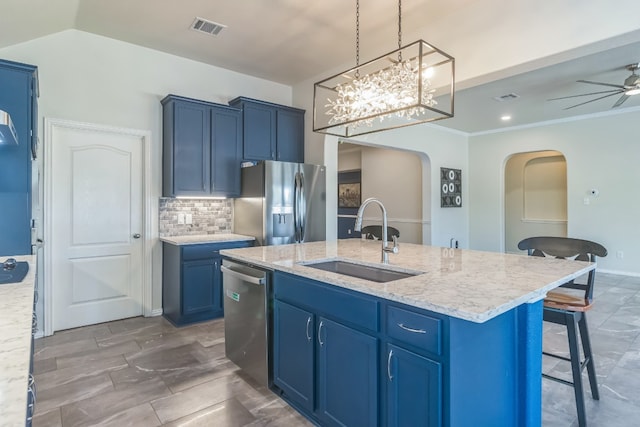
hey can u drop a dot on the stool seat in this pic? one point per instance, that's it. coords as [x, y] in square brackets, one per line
[564, 301]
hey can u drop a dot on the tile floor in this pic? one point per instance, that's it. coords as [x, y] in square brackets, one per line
[144, 372]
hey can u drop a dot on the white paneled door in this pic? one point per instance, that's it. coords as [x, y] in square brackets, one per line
[96, 225]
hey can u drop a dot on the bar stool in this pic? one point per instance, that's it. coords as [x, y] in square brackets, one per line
[375, 232]
[565, 309]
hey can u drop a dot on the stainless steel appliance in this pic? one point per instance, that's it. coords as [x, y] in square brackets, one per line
[282, 203]
[246, 319]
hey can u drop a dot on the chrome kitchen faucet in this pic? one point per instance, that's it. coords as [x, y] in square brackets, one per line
[385, 246]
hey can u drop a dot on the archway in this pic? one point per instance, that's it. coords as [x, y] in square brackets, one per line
[397, 178]
[535, 196]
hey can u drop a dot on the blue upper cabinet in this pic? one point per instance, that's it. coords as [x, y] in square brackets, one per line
[259, 131]
[290, 135]
[271, 131]
[226, 151]
[18, 97]
[201, 148]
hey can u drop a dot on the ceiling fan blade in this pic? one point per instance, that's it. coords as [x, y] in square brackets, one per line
[586, 94]
[600, 83]
[592, 100]
[620, 101]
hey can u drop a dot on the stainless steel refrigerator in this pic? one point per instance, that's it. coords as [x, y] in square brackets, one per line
[282, 203]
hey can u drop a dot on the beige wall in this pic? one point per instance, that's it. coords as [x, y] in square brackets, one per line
[395, 178]
[89, 78]
[349, 157]
[535, 197]
[602, 153]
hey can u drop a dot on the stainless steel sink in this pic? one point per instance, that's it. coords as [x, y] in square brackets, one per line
[347, 268]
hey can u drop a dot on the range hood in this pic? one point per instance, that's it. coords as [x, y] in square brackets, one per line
[7, 131]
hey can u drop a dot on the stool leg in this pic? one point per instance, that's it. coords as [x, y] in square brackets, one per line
[586, 348]
[574, 354]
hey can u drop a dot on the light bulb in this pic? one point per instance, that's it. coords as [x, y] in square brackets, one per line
[428, 73]
[633, 91]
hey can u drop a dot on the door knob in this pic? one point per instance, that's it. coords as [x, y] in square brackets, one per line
[136, 236]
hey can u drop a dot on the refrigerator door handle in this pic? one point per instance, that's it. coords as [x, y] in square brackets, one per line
[296, 207]
[302, 207]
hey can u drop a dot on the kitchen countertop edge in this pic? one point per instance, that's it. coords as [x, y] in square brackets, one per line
[477, 314]
[16, 311]
[201, 239]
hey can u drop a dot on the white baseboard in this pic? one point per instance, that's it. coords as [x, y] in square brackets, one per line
[155, 312]
[621, 273]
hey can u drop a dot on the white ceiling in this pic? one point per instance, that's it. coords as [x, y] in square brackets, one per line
[501, 46]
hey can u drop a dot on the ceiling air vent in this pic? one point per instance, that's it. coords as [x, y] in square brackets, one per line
[507, 97]
[208, 27]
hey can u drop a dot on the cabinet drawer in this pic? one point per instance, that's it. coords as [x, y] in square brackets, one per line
[328, 300]
[209, 250]
[416, 329]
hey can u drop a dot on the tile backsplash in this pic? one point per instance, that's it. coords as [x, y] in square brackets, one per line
[209, 216]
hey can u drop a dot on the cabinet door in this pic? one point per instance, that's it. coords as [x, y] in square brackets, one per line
[293, 349]
[347, 376]
[412, 378]
[290, 136]
[191, 147]
[226, 142]
[197, 286]
[259, 132]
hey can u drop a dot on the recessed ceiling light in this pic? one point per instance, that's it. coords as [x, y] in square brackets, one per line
[505, 118]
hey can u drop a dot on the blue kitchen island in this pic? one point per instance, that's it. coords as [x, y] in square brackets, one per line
[456, 343]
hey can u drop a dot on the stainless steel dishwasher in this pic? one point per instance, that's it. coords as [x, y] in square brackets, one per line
[246, 318]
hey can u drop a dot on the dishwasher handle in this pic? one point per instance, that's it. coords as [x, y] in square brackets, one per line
[243, 277]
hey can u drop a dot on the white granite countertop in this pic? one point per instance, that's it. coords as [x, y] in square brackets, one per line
[470, 285]
[16, 310]
[205, 238]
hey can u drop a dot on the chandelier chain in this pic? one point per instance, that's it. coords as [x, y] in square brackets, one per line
[357, 37]
[400, 30]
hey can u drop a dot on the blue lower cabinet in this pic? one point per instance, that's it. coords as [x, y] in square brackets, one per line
[347, 376]
[198, 292]
[192, 281]
[412, 378]
[343, 358]
[325, 351]
[293, 353]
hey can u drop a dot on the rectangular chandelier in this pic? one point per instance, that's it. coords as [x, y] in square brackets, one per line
[411, 85]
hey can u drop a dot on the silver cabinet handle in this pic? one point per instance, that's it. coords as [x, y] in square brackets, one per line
[243, 277]
[389, 365]
[308, 324]
[137, 236]
[319, 334]
[416, 331]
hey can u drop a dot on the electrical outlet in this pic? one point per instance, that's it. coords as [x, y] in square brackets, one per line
[189, 218]
[180, 218]
[619, 254]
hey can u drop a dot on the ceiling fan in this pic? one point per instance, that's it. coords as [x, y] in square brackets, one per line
[630, 87]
